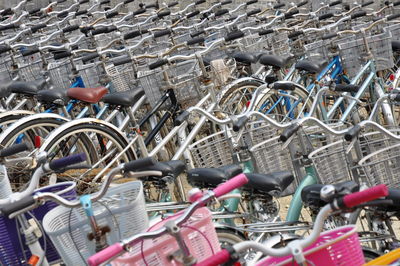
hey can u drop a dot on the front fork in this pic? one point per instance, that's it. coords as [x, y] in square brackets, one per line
[296, 204]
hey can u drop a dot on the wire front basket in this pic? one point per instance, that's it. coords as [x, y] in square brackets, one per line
[354, 53]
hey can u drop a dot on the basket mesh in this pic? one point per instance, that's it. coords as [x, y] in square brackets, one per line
[353, 53]
[125, 215]
[122, 77]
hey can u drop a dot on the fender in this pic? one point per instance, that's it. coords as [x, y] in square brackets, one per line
[275, 240]
[16, 112]
[30, 118]
[237, 81]
[226, 227]
[63, 127]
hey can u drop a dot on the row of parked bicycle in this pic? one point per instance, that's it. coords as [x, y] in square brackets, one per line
[108, 118]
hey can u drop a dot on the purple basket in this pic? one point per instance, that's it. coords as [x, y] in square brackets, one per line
[11, 250]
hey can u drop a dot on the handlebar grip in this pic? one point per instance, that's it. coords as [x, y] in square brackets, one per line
[227, 2]
[221, 12]
[105, 254]
[284, 85]
[253, 12]
[195, 41]
[302, 3]
[104, 2]
[230, 185]
[128, 1]
[14, 149]
[70, 28]
[347, 88]
[325, 16]
[277, 6]
[99, 30]
[392, 17]
[358, 14]
[219, 258]
[173, 4]
[161, 33]
[352, 133]
[81, 12]
[329, 36]
[84, 1]
[6, 12]
[38, 27]
[18, 205]
[134, 34]
[192, 14]
[158, 63]
[367, 3]
[288, 132]
[139, 11]
[4, 48]
[195, 34]
[30, 51]
[8, 27]
[251, 2]
[294, 34]
[241, 122]
[61, 1]
[265, 32]
[62, 14]
[198, 2]
[89, 57]
[396, 3]
[234, 35]
[291, 13]
[360, 197]
[66, 161]
[33, 11]
[139, 164]
[58, 56]
[335, 3]
[121, 60]
[112, 14]
[181, 118]
[164, 13]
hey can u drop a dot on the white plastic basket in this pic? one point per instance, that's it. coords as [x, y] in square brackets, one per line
[122, 209]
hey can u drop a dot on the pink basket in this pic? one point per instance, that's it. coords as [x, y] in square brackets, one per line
[334, 247]
[199, 235]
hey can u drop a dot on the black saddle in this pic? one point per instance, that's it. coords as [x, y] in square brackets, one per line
[245, 58]
[277, 181]
[125, 98]
[211, 177]
[170, 168]
[27, 88]
[5, 90]
[396, 46]
[309, 67]
[58, 97]
[273, 60]
[311, 195]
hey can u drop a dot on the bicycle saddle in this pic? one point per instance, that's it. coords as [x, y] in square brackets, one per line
[209, 177]
[170, 168]
[245, 58]
[272, 60]
[27, 87]
[309, 67]
[89, 95]
[396, 46]
[125, 98]
[276, 181]
[58, 97]
[5, 90]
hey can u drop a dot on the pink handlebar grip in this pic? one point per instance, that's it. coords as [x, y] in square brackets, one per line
[221, 257]
[230, 185]
[373, 193]
[105, 254]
